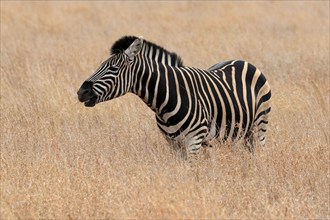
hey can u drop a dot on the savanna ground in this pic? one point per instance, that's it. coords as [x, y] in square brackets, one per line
[62, 160]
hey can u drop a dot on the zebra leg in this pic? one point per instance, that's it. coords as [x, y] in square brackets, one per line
[207, 149]
[194, 147]
[193, 152]
[198, 141]
[186, 150]
[177, 147]
[206, 144]
[262, 123]
[250, 141]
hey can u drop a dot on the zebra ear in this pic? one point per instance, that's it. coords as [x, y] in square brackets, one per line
[134, 48]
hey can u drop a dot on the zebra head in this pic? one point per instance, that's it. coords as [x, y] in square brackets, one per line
[112, 79]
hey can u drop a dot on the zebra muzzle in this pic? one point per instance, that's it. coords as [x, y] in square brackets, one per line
[86, 94]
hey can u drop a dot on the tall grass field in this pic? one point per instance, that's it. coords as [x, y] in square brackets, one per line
[61, 160]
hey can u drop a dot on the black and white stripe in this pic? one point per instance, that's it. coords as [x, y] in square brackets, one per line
[230, 100]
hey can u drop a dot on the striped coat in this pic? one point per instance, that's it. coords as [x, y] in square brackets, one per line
[230, 100]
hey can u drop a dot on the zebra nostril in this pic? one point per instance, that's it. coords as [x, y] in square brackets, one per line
[85, 92]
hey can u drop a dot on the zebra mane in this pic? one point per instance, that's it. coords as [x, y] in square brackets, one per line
[123, 43]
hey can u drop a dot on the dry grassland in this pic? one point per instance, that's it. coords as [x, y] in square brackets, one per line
[62, 160]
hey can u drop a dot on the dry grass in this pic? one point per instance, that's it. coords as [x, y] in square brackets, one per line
[62, 160]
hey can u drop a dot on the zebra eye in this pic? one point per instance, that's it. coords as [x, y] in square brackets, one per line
[113, 69]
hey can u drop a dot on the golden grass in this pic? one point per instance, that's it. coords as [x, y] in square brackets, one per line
[62, 160]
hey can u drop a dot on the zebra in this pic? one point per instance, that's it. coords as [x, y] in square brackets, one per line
[229, 101]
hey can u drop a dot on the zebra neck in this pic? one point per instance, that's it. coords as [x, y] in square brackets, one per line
[149, 82]
[150, 74]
